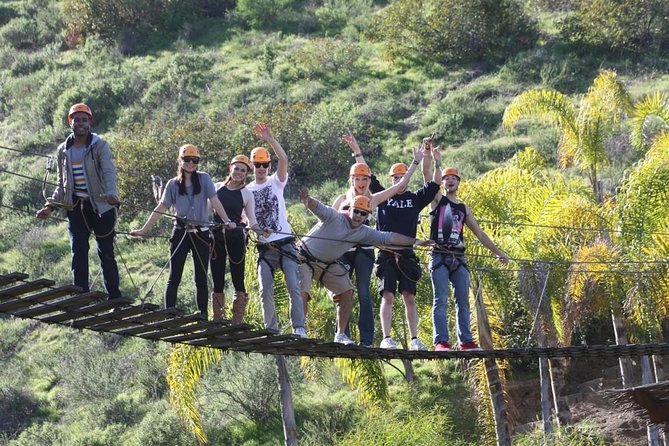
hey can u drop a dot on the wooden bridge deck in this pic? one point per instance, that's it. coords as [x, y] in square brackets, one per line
[44, 301]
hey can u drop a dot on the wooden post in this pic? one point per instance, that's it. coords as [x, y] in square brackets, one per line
[286, 401]
[623, 361]
[495, 388]
[544, 376]
[647, 378]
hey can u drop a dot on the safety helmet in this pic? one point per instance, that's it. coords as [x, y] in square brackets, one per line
[189, 150]
[241, 159]
[360, 169]
[398, 169]
[362, 202]
[81, 107]
[450, 171]
[260, 155]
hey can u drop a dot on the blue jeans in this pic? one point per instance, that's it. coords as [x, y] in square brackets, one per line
[362, 263]
[444, 269]
[80, 222]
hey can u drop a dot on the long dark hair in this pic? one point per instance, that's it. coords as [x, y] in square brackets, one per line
[181, 181]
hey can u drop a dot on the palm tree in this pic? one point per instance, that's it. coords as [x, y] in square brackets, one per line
[583, 129]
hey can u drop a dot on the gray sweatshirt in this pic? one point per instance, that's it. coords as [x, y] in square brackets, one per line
[333, 235]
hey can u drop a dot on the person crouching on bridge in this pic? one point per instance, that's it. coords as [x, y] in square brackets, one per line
[188, 193]
[448, 217]
[86, 189]
[328, 240]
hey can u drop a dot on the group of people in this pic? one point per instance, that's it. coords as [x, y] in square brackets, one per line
[337, 249]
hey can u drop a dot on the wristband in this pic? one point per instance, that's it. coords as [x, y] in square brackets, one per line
[414, 162]
[355, 155]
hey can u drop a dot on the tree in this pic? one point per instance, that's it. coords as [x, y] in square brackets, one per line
[582, 130]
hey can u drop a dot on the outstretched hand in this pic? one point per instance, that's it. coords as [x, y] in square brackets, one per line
[351, 141]
[418, 153]
[304, 197]
[44, 212]
[263, 132]
[427, 142]
[436, 154]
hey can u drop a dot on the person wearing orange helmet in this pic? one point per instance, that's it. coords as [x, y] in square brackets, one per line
[360, 258]
[276, 250]
[448, 218]
[398, 270]
[190, 193]
[86, 191]
[328, 240]
[230, 244]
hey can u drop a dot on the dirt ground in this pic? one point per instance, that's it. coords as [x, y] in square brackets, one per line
[585, 382]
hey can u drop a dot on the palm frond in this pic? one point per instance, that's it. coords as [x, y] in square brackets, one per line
[368, 378]
[651, 105]
[186, 366]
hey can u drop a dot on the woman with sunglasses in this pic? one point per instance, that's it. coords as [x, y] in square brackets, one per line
[239, 205]
[360, 258]
[188, 194]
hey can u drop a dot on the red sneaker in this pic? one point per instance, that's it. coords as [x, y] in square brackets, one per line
[469, 346]
[442, 346]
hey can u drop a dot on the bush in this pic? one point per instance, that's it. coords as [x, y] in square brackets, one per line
[275, 15]
[328, 60]
[618, 25]
[446, 31]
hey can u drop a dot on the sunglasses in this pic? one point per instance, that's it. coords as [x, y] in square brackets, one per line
[360, 213]
[191, 159]
[263, 165]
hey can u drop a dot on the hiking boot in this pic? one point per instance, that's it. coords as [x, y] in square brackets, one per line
[239, 302]
[470, 346]
[388, 343]
[300, 332]
[218, 305]
[341, 338]
[442, 346]
[417, 345]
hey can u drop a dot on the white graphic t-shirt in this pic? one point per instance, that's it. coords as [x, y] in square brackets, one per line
[271, 208]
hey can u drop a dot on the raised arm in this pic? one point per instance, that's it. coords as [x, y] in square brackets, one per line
[472, 224]
[339, 201]
[309, 202]
[263, 132]
[355, 148]
[426, 165]
[382, 196]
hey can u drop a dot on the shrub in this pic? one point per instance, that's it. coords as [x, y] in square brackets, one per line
[446, 31]
[334, 15]
[328, 60]
[276, 15]
[619, 26]
[17, 409]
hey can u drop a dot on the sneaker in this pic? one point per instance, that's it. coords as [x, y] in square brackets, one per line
[300, 332]
[470, 346]
[341, 338]
[365, 345]
[442, 346]
[417, 345]
[388, 343]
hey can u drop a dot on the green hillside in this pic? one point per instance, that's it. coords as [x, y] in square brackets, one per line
[573, 177]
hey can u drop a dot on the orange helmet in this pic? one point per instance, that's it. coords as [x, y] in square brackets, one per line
[241, 159]
[450, 171]
[362, 202]
[398, 169]
[189, 150]
[81, 107]
[360, 169]
[260, 155]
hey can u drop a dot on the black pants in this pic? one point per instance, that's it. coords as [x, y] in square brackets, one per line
[230, 246]
[181, 243]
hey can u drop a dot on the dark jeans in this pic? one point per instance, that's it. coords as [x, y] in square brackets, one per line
[80, 222]
[362, 263]
[230, 246]
[181, 243]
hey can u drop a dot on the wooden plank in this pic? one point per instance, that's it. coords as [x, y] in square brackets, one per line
[8, 279]
[47, 295]
[77, 300]
[24, 288]
[208, 333]
[86, 311]
[160, 326]
[232, 338]
[142, 319]
[191, 328]
[112, 316]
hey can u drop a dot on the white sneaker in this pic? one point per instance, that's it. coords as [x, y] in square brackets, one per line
[341, 338]
[388, 343]
[417, 345]
[300, 332]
